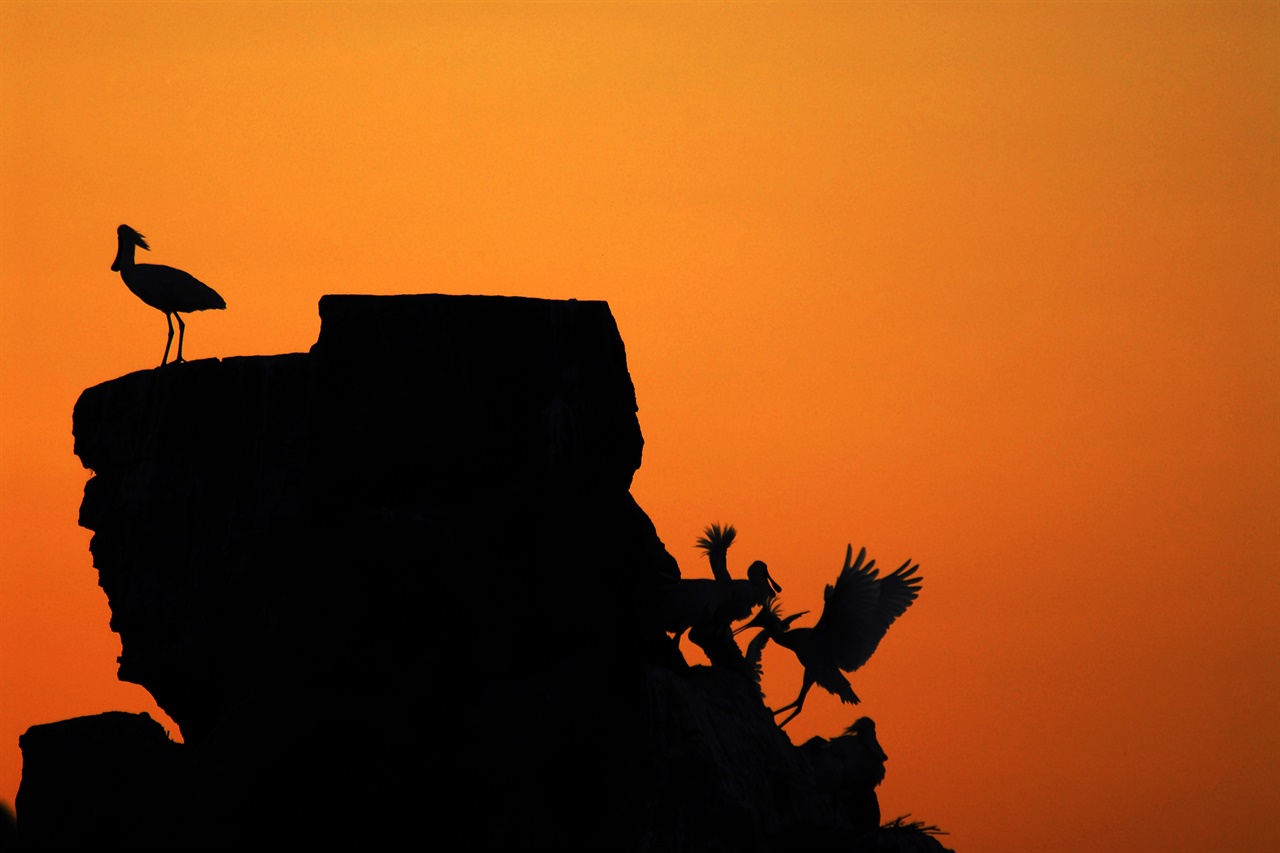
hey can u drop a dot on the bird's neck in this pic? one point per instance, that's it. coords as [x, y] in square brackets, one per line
[124, 256]
[782, 638]
[772, 626]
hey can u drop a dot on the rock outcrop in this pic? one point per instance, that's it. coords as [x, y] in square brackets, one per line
[395, 591]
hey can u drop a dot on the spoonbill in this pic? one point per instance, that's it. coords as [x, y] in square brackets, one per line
[163, 288]
[856, 613]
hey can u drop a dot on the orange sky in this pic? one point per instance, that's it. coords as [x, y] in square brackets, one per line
[995, 287]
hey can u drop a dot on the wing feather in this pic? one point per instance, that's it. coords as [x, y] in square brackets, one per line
[860, 607]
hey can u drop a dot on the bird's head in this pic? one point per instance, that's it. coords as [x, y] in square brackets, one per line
[865, 729]
[126, 236]
[862, 726]
[758, 574]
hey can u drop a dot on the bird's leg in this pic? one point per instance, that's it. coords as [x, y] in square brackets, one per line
[182, 333]
[168, 319]
[798, 704]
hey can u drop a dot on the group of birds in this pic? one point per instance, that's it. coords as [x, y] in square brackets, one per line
[857, 612]
[166, 289]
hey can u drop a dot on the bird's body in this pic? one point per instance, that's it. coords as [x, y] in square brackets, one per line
[857, 611]
[701, 601]
[819, 668]
[707, 608]
[168, 290]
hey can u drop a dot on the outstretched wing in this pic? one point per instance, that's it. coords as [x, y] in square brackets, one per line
[861, 606]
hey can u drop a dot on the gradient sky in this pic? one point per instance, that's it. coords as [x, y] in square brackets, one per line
[992, 286]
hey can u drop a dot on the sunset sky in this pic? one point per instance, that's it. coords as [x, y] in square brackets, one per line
[995, 287]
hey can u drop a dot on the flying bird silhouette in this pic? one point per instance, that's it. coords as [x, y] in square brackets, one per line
[163, 288]
[856, 613]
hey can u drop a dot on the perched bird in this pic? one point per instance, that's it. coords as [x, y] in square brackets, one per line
[856, 613]
[698, 602]
[848, 769]
[707, 608]
[163, 288]
[860, 756]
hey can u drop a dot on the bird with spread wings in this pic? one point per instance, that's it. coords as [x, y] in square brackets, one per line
[857, 612]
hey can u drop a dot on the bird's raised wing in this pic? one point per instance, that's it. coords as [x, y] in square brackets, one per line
[861, 606]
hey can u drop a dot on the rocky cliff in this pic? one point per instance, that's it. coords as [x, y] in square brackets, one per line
[396, 591]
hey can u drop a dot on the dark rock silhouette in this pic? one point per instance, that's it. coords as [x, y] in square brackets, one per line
[109, 782]
[396, 592]
[8, 829]
[164, 288]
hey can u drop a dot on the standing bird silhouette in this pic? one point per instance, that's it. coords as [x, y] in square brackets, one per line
[707, 608]
[715, 637]
[163, 288]
[856, 613]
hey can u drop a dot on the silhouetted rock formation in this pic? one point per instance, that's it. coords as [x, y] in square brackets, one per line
[110, 782]
[396, 592]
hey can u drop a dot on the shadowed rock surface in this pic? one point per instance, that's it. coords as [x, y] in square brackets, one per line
[395, 591]
[110, 782]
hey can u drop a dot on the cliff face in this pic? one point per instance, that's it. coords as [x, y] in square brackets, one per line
[441, 480]
[395, 590]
